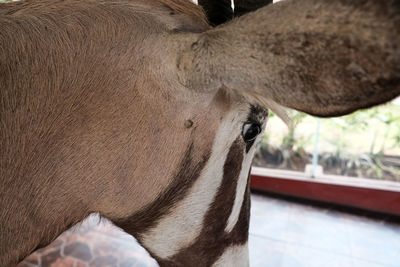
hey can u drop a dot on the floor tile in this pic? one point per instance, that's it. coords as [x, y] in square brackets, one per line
[276, 253]
[349, 236]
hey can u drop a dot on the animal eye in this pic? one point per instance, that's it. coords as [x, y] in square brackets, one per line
[250, 131]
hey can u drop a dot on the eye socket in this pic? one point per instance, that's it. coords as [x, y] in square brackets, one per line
[250, 131]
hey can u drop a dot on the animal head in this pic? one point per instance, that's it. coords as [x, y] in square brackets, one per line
[140, 111]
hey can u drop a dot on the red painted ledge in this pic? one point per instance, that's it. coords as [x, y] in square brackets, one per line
[377, 196]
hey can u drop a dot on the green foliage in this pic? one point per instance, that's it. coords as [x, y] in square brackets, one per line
[360, 141]
[289, 139]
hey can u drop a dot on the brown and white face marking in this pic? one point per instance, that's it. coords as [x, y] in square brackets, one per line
[210, 221]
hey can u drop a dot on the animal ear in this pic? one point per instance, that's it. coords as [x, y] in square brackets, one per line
[322, 57]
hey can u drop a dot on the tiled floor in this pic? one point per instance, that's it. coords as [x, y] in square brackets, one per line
[282, 234]
[286, 234]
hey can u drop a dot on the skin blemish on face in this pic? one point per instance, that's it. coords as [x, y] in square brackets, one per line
[188, 124]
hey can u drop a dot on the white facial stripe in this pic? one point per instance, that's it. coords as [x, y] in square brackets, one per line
[240, 188]
[234, 256]
[183, 225]
[241, 185]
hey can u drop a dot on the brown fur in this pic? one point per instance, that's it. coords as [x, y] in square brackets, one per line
[64, 66]
[150, 214]
[323, 57]
[95, 94]
[213, 240]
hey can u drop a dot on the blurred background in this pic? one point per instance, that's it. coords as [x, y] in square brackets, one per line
[363, 144]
